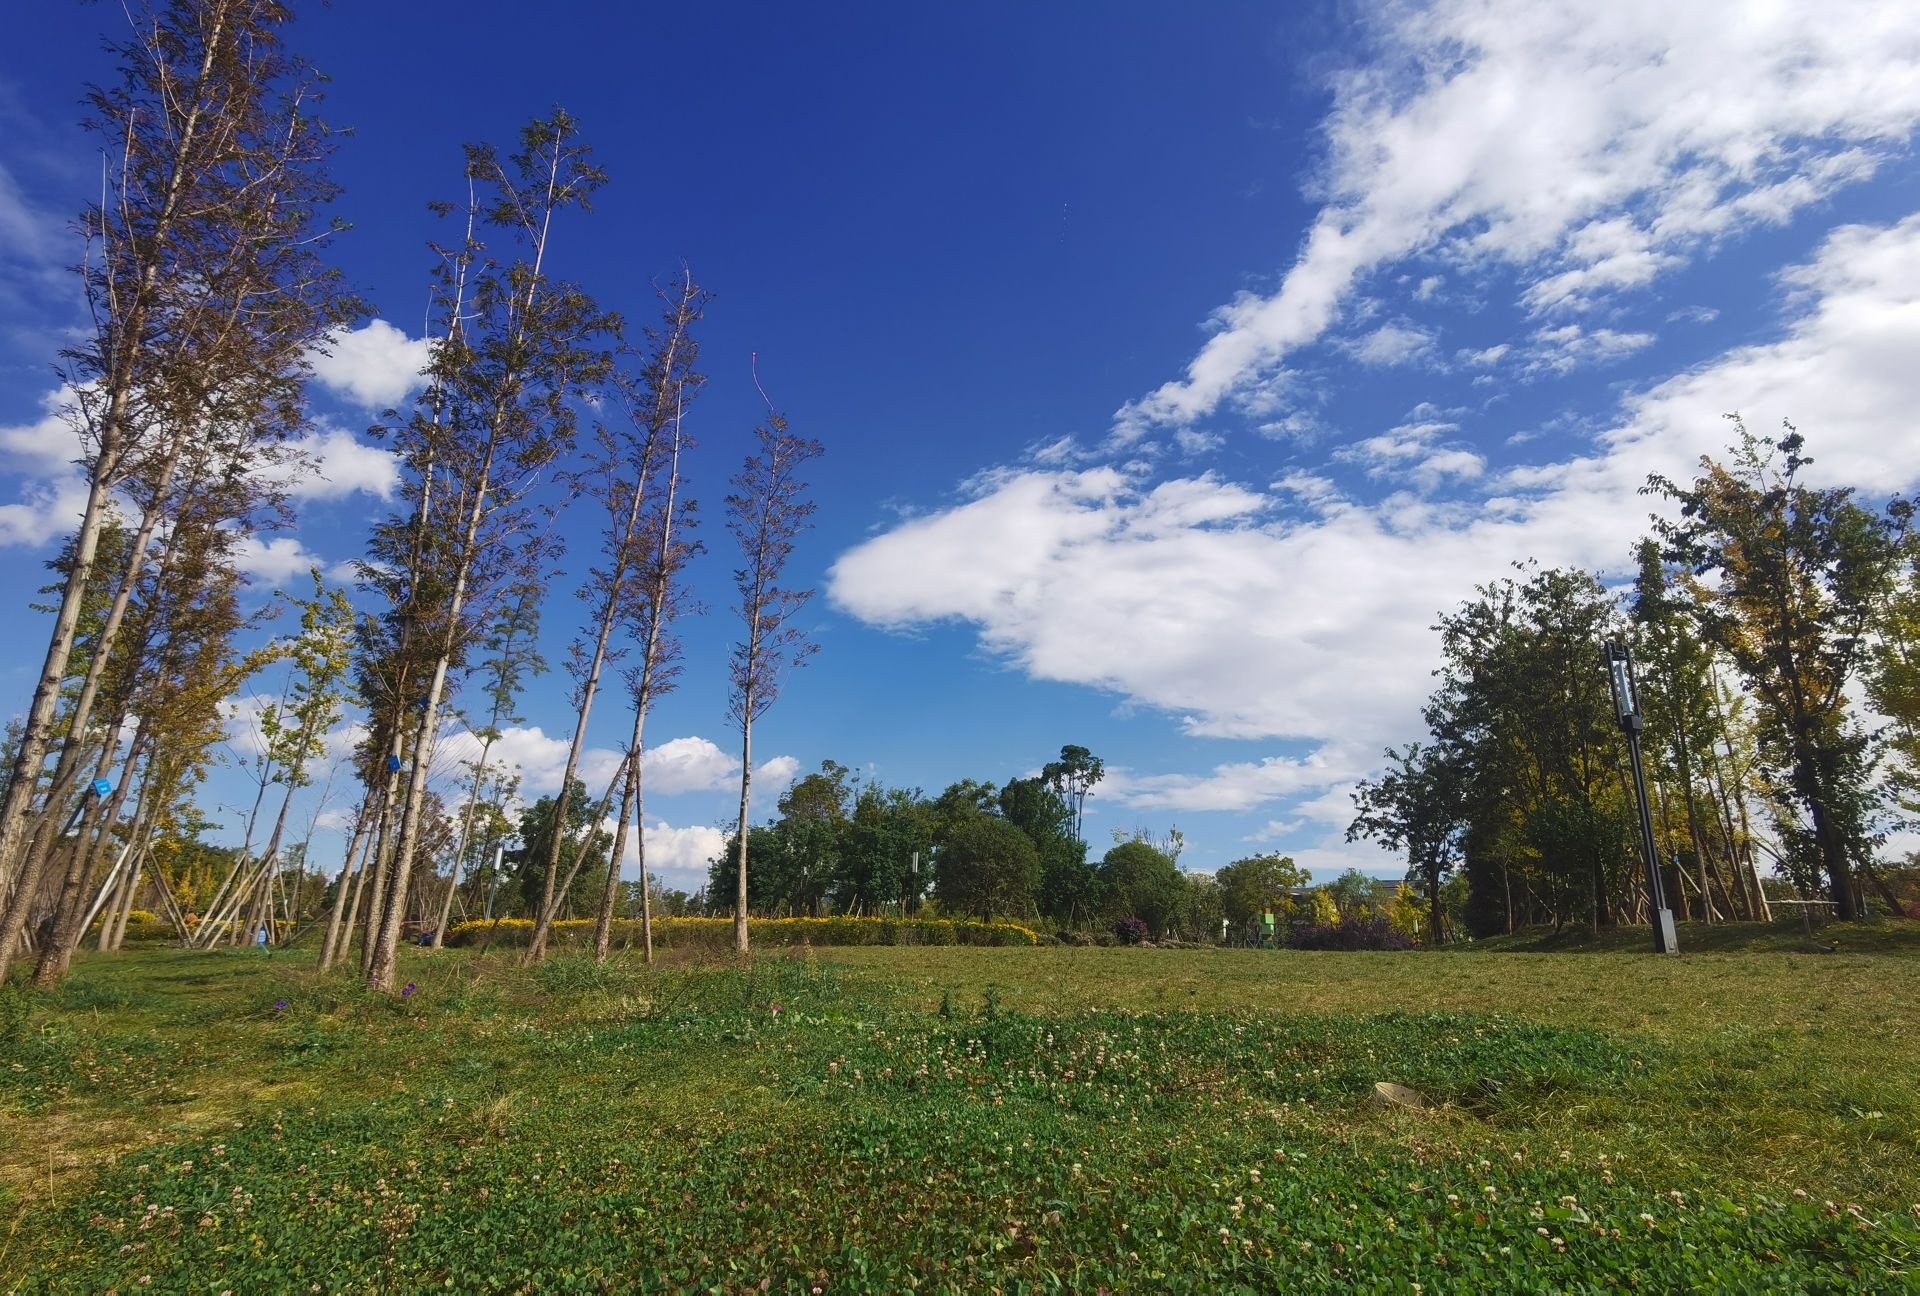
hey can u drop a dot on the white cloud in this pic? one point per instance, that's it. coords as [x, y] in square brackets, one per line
[29, 236]
[339, 743]
[375, 366]
[1587, 147]
[687, 765]
[1693, 315]
[1240, 785]
[331, 464]
[1844, 371]
[540, 760]
[772, 779]
[335, 819]
[335, 464]
[677, 856]
[1393, 344]
[1297, 426]
[48, 446]
[273, 561]
[1193, 442]
[1247, 616]
[1557, 350]
[674, 767]
[47, 509]
[240, 715]
[40, 454]
[1411, 451]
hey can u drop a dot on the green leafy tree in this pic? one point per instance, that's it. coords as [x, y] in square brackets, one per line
[813, 822]
[1258, 884]
[582, 845]
[887, 829]
[1415, 807]
[960, 803]
[1893, 680]
[1204, 906]
[1069, 884]
[1799, 573]
[777, 877]
[1141, 882]
[1524, 717]
[987, 868]
[1687, 726]
[1352, 894]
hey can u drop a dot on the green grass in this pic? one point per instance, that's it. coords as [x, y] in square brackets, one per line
[962, 1119]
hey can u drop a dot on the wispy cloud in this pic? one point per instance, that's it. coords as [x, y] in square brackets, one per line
[1587, 148]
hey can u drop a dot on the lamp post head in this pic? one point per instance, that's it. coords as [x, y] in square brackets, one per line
[1620, 681]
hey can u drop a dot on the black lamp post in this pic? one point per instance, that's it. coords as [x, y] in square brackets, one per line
[1626, 706]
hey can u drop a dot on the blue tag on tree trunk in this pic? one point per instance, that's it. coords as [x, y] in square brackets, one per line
[101, 787]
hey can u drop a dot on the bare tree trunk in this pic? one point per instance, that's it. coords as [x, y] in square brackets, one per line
[116, 904]
[466, 834]
[368, 897]
[125, 914]
[740, 853]
[609, 894]
[70, 909]
[16, 806]
[369, 900]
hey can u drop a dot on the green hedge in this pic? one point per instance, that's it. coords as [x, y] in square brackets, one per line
[717, 933]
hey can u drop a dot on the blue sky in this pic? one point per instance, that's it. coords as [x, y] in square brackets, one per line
[1176, 364]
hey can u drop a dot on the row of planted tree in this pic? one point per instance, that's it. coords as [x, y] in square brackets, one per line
[1776, 630]
[205, 271]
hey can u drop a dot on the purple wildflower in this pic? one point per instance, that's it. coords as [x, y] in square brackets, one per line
[407, 991]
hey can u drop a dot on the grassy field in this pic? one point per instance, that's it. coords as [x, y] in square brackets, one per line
[970, 1119]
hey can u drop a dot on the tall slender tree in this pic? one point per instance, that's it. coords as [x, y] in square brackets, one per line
[766, 512]
[499, 412]
[204, 284]
[1073, 777]
[1893, 683]
[653, 596]
[633, 461]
